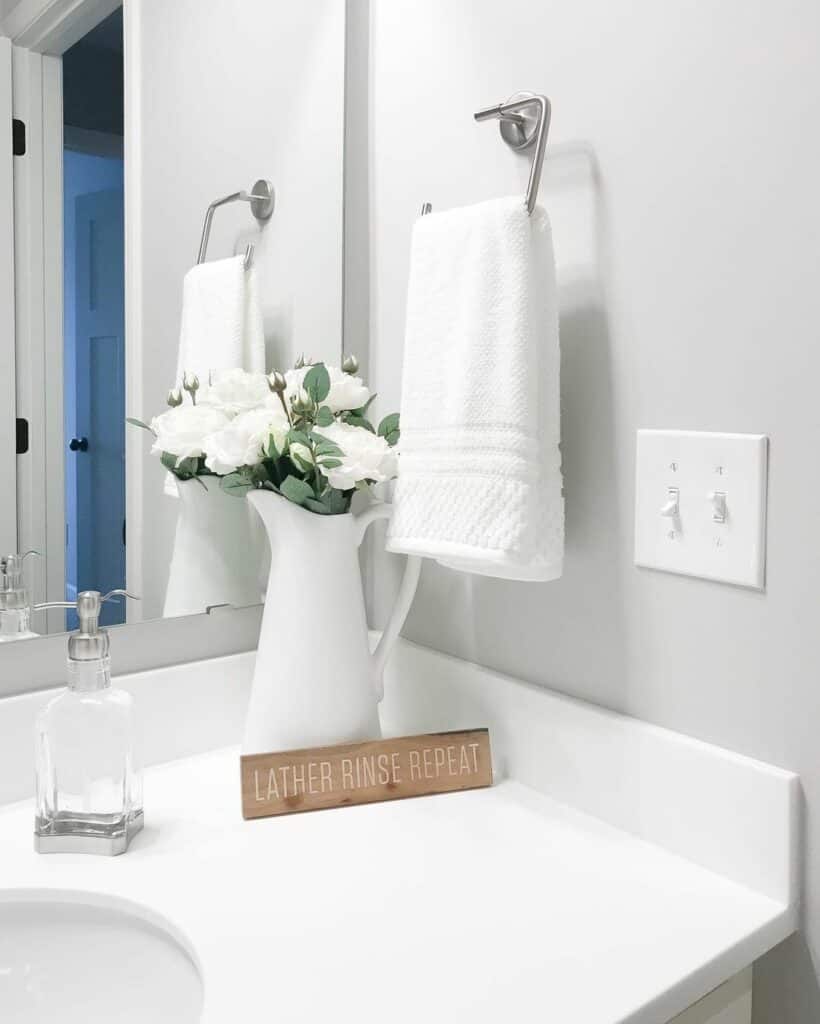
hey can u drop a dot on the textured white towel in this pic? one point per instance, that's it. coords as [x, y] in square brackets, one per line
[221, 320]
[479, 484]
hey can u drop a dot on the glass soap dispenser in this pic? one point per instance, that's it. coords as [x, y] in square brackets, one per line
[15, 599]
[89, 788]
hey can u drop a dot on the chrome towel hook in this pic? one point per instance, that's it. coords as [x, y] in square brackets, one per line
[525, 119]
[262, 199]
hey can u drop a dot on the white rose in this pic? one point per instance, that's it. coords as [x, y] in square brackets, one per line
[183, 430]
[241, 442]
[365, 456]
[235, 391]
[346, 392]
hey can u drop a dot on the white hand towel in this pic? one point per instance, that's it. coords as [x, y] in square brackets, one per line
[221, 320]
[479, 486]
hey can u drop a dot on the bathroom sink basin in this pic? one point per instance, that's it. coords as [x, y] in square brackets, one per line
[76, 957]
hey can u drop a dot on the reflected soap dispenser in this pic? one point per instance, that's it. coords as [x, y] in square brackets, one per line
[15, 599]
[89, 787]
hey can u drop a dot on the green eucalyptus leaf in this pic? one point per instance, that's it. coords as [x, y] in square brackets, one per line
[389, 425]
[296, 490]
[393, 437]
[360, 421]
[324, 417]
[298, 437]
[317, 383]
[318, 505]
[339, 501]
[237, 484]
[325, 447]
[139, 423]
[270, 449]
[330, 463]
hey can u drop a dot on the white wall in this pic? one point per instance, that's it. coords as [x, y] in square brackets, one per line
[228, 93]
[682, 175]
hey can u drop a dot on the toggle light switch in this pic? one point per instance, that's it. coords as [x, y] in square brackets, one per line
[700, 504]
[718, 500]
[672, 507]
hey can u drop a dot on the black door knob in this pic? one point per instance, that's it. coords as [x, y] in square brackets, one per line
[78, 444]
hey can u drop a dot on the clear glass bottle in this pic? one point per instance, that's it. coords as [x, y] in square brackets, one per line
[89, 786]
[15, 600]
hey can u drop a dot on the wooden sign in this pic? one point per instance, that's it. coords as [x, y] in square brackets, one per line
[364, 773]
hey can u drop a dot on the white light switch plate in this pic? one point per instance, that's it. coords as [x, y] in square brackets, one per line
[701, 472]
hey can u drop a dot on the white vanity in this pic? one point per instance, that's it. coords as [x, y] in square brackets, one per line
[616, 872]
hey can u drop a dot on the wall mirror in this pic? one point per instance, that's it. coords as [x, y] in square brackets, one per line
[129, 122]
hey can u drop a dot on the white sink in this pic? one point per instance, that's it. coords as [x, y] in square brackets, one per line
[79, 958]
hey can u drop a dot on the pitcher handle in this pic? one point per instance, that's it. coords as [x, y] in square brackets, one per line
[404, 599]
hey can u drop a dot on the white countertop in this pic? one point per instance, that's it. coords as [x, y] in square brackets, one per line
[499, 905]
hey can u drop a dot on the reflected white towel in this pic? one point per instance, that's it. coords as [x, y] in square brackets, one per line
[221, 320]
[221, 325]
[479, 484]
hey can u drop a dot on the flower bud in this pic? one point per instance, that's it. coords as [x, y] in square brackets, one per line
[301, 402]
[277, 382]
[300, 362]
[174, 398]
[190, 383]
[301, 456]
[351, 365]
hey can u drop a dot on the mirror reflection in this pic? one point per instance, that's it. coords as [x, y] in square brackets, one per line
[191, 216]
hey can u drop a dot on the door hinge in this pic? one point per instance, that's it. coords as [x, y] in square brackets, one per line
[18, 137]
[22, 436]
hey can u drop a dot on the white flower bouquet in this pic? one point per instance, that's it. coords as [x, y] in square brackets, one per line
[304, 434]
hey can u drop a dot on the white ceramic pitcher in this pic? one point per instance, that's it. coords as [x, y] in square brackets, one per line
[315, 682]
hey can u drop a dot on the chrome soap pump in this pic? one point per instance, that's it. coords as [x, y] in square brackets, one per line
[89, 787]
[15, 599]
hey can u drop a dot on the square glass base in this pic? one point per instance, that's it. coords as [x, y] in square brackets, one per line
[72, 834]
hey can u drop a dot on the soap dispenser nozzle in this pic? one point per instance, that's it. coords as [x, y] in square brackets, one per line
[15, 598]
[90, 642]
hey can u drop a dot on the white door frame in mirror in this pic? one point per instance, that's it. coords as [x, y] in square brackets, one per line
[41, 31]
[8, 401]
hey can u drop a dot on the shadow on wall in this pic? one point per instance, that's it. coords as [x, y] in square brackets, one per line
[523, 628]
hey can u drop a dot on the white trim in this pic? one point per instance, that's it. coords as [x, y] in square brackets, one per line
[27, 71]
[86, 140]
[52, 26]
[8, 398]
[53, 383]
[134, 442]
